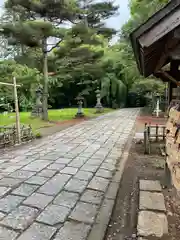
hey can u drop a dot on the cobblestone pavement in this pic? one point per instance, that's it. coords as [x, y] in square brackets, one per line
[64, 187]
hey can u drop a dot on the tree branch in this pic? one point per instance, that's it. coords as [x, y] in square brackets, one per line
[55, 46]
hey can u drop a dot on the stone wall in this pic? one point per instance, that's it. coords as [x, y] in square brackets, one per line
[173, 145]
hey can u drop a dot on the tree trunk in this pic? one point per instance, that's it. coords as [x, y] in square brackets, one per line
[45, 84]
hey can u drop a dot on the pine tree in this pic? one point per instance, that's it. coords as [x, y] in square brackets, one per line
[37, 24]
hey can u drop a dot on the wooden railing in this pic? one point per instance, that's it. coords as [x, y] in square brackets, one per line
[8, 135]
[153, 133]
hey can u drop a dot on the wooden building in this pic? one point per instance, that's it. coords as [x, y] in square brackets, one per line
[156, 45]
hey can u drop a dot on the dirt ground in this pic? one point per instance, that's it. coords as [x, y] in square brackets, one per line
[139, 166]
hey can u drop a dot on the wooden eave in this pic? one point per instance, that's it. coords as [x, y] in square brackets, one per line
[155, 38]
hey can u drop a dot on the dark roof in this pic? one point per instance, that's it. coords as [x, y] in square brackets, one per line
[148, 55]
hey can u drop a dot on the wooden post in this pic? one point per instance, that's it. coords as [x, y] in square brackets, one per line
[164, 129]
[156, 132]
[145, 140]
[18, 127]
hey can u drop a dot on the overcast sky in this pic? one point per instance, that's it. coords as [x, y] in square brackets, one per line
[115, 22]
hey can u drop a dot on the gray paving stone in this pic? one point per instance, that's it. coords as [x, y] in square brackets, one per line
[149, 185]
[76, 185]
[50, 156]
[38, 200]
[112, 190]
[10, 202]
[82, 175]
[108, 166]
[37, 180]
[67, 199]
[38, 231]
[63, 160]
[25, 189]
[77, 162]
[47, 173]
[6, 234]
[102, 220]
[89, 168]
[96, 162]
[99, 184]
[104, 173]
[151, 223]
[151, 201]
[10, 182]
[56, 166]
[55, 184]
[4, 191]
[73, 230]
[21, 174]
[36, 166]
[84, 212]
[54, 214]
[2, 215]
[91, 196]
[20, 218]
[69, 170]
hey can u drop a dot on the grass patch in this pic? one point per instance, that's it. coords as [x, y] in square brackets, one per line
[54, 116]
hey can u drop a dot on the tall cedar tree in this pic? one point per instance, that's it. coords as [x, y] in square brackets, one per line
[39, 20]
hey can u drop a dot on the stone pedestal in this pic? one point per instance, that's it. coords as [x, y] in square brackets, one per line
[99, 107]
[37, 109]
[79, 113]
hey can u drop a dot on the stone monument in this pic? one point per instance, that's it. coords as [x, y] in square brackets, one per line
[37, 109]
[79, 113]
[99, 107]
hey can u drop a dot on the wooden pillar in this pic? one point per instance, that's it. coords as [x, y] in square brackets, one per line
[170, 89]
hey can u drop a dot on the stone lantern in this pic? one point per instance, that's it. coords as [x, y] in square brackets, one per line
[99, 107]
[37, 110]
[79, 113]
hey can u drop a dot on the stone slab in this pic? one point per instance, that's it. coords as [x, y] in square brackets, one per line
[38, 200]
[20, 218]
[36, 166]
[66, 199]
[4, 191]
[37, 180]
[54, 214]
[21, 174]
[104, 173]
[152, 224]
[151, 201]
[55, 184]
[82, 175]
[84, 212]
[6, 234]
[102, 220]
[91, 196]
[89, 168]
[150, 185]
[69, 170]
[73, 230]
[99, 184]
[47, 173]
[10, 202]
[38, 231]
[76, 185]
[25, 190]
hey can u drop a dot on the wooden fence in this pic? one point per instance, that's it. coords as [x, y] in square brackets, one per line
[9, 136]
[153, 133]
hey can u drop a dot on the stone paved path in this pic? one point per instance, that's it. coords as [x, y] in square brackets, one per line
[60, 188]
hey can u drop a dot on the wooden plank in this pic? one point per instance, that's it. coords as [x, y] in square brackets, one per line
[161, 29]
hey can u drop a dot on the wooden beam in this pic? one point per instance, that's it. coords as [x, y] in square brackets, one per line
[169, 47]
[171, 79]
[9, 84]
[164, 27]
